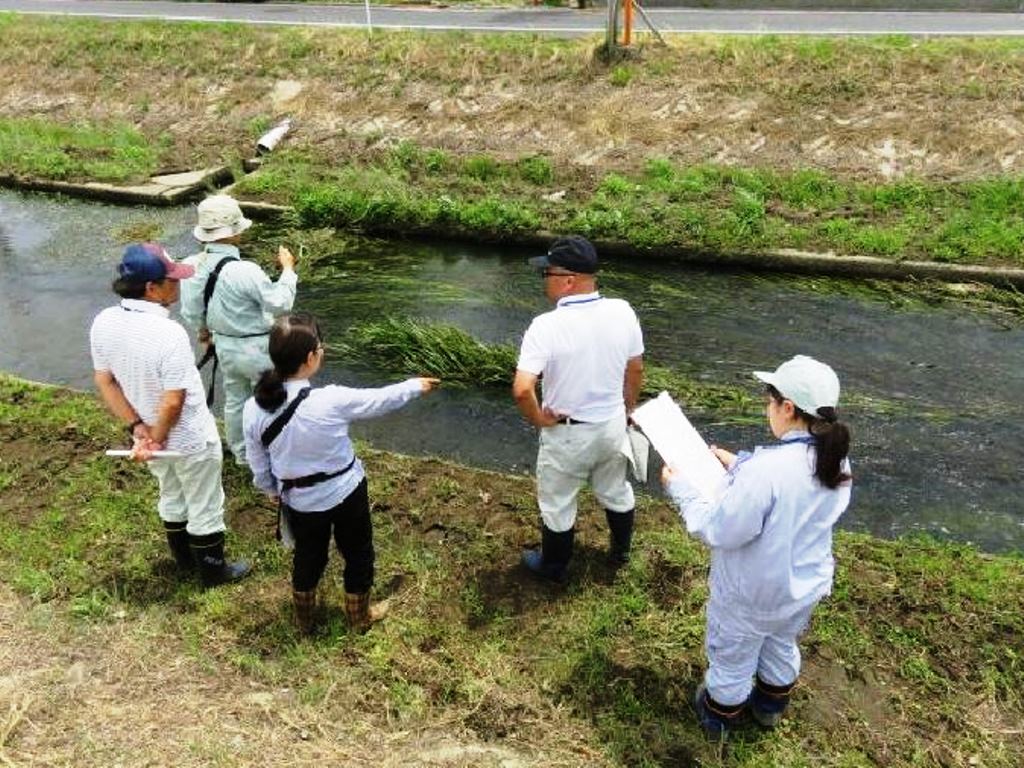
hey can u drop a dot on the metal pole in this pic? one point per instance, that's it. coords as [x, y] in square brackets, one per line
[369, 21]
[612, 33]
[650, 25]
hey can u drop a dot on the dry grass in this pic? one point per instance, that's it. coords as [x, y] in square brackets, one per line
[866, 109]
[131, 692]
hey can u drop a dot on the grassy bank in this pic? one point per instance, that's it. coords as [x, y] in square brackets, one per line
[886, 146]
[914, 661]
[411, 189]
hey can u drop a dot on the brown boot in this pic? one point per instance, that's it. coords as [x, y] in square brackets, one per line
[360, 613]
[305, 605]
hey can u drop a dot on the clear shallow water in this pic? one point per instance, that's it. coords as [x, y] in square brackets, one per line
[956, 477]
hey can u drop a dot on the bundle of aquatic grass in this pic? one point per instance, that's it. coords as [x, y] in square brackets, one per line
[432, 349]
[736, 402]
[449, 353]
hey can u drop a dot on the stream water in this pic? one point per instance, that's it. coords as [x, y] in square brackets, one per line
[942, 457]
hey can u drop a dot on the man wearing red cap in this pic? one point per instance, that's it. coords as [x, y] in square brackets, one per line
[146, 375]
[588, 353]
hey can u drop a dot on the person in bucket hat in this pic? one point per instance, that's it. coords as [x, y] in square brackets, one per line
[147, 378]
[588, 354]
[770, 534]
[231, 304]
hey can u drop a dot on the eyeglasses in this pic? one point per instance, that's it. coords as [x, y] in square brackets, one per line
[548, 273]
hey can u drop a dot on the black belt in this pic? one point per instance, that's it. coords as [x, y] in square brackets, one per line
[307, 481]
[570, 420]
[243, 335]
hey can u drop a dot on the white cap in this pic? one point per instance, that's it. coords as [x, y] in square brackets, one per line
[219, 217]
[810, 384]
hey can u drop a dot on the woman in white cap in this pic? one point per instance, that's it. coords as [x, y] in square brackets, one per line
[232, 304]
[770, 534]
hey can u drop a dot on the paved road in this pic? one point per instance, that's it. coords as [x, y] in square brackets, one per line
[561, 21]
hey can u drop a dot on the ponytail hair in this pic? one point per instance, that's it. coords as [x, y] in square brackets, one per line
[292, 339]
[831, 441]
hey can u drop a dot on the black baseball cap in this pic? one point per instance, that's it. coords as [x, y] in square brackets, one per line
[573, 253]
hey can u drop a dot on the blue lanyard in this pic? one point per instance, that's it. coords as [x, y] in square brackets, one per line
[809, 440]
[581, 301]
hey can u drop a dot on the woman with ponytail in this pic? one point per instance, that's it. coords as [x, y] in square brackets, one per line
[301, 456]
[770, 534]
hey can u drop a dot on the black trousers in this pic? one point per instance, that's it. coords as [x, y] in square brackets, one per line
[353, 535]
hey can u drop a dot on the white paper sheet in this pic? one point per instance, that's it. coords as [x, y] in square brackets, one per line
[680, 445]
[636, 449]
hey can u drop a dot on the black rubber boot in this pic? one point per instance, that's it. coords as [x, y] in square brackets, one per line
[620, 527]
[551, 562]
[177, 540]
[213, 568]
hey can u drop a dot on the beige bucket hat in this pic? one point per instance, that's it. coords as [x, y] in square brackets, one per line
[219, 217]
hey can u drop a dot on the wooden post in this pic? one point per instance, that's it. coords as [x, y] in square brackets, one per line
[627, 22]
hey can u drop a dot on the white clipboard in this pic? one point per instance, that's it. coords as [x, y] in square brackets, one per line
[680, 444]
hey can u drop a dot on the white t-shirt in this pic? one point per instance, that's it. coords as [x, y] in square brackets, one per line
[149, 354]
[581, 348]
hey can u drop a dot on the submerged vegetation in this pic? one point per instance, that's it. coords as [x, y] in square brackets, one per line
[914, 661]
[400, 345]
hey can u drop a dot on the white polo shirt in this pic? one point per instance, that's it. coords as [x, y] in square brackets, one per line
[581, 348]
[149, 354]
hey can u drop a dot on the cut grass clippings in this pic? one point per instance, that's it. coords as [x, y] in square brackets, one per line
[914, 661]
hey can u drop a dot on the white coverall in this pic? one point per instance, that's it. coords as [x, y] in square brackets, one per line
[240, 316]
[770, 533]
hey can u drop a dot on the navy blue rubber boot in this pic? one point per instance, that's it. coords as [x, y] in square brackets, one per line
[551, 561]
[715, 719]
[769, 702]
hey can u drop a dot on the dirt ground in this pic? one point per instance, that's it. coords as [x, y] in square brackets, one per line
[118, 694]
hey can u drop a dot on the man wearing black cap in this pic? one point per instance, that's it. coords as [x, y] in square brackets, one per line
[147, 377]
[588, 352]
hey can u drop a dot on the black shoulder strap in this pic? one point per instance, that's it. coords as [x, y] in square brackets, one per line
[211, 282]
[272, 431]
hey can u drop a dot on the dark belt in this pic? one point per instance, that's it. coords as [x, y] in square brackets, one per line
[307, 481]
[570, 420]
[242, 335]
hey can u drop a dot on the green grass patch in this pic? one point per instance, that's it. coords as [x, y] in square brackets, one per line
[916, 638]
[42, 148]
[662, 207]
